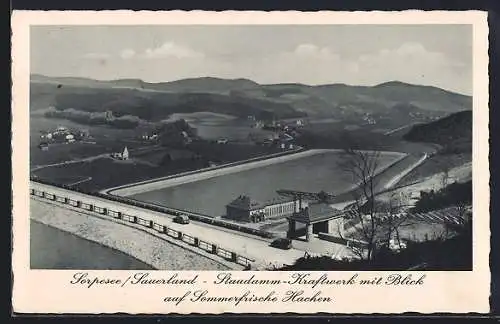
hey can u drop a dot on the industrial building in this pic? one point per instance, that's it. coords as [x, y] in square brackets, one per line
[246, 209]
[317, 218]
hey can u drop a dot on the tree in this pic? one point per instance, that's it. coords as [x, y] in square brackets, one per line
[395, 218]
[445, 176]
[363, 165]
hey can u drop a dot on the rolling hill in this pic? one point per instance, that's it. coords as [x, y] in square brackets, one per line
[453, 132]
[243, 97]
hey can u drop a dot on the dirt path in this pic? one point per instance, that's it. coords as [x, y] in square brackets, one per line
[140, 151]
[396, 179]
[87, 159]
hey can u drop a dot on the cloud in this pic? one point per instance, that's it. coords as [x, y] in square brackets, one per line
[96, 56]
[127, 53]
[306, 63]
[412, 62]
[171, 49]
[314, 52]
[407, 52]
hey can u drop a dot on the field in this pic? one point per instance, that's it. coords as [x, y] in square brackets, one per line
[213, 126]
[106, 172]
[89, 162]
[104, 140]
[312, 173]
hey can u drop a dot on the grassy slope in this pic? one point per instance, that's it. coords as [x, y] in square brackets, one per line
[453, 133]
[152, 105]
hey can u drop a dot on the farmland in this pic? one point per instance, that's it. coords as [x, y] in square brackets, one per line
[68, 163]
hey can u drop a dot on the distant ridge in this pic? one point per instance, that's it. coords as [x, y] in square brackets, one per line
[391, 103]
[240, 81]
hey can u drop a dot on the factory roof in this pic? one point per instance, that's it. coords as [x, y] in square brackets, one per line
[245, 203]
[315, 213]
[277, 200]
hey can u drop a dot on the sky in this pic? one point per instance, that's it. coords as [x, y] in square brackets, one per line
[437, 55]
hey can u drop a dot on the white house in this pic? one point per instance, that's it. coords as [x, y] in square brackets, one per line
[70, 138]
[121, 156]
[125, 154]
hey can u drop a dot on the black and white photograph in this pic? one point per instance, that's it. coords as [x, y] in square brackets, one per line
[251, 147]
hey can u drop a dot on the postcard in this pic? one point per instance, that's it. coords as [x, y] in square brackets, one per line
[195, 162]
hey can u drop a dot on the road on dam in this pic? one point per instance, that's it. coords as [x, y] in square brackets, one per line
[244, 244]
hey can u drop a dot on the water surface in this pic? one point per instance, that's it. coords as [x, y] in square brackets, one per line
[312, 174]
[51, 248]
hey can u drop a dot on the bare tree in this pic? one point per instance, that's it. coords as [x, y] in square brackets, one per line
[363, 166]
[395, 219]
[445, 176]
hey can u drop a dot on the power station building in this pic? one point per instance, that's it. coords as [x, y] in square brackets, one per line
[246, 209]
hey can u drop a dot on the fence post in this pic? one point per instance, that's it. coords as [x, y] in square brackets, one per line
[179, 235]
[164, 229]
[134, 219]
[234, 257]
[214, 249]
[196, 241]
[78, 203]
[66, 199]
[151, 223]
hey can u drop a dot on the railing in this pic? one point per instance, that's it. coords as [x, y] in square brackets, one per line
[144, 222]
[205, 246]
[128, 218]
[191, 240]
[99, 210]
[172, 233]
[114, 214]
[86, 206]
[50, 196]
[244, 261]
[162, 209]
[159, 227]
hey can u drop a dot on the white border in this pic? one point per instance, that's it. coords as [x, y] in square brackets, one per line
[38, 291]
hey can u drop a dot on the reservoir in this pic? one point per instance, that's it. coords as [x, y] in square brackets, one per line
[51, 248]
[312, 173]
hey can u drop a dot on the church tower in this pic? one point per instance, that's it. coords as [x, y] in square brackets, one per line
[125, 154]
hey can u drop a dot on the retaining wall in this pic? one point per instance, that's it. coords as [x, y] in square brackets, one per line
[160, 228]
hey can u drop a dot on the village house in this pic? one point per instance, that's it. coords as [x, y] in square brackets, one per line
[124, 155]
